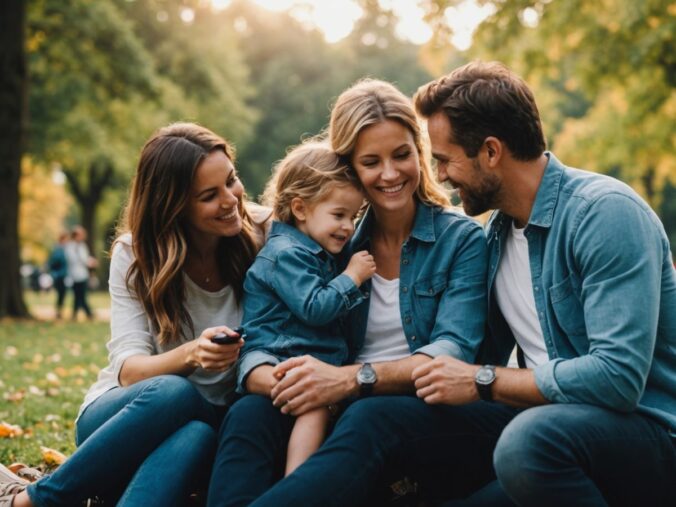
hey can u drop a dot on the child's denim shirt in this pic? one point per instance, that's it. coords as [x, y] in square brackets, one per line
[294, 293]
[442, 284]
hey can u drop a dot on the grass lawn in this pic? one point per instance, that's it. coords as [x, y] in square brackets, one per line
[45, 369]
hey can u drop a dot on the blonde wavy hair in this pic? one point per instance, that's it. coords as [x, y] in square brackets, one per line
[154, 215]
[372, 101]
[309, 171]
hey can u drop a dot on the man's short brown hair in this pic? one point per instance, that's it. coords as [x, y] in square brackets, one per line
[483, 99]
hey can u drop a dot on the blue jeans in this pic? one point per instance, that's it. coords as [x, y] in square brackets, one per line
[583, 455]
[147, 444]
[448, 449]
[450, 452]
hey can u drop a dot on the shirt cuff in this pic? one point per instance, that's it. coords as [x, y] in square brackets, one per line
[248, 362]
[441, 347]
[545, 380]
[346, 287]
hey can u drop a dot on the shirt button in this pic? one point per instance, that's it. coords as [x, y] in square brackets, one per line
[405, 261]
[431, 291]
[366, 293]
[413, 338]
[407, 320]
[404, 289]
[537, 288]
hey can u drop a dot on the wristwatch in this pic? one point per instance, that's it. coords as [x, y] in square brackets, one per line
[366, 378]
[484, 379]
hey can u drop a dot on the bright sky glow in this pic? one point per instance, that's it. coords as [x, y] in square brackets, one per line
[335, 18]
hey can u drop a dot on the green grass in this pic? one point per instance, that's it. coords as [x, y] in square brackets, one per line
[46, 368]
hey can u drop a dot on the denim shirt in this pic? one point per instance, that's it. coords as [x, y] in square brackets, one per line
[442, 284]
[605, 294]
[293, 295]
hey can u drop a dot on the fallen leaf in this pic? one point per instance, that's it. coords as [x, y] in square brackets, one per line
[10, 430]
[52, 456]
[15, 396]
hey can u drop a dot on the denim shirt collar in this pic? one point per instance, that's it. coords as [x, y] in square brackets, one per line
[282, 229]
[548, 193]
[423, 225]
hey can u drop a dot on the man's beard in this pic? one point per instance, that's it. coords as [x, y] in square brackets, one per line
[483, 195]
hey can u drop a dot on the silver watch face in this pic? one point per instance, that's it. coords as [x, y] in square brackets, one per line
[485, 375]
[366, 374]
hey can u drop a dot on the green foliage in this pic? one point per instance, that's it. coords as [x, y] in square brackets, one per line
[296, 76]
[607, 72]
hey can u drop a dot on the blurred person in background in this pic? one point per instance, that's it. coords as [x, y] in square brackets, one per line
[58, 269]
[79, 263]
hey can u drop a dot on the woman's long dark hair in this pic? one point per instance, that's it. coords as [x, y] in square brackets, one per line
[154, 217]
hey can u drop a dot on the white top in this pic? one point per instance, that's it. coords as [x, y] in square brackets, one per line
[385, 339]
[514, 294]
[131, 332]
[77, 256]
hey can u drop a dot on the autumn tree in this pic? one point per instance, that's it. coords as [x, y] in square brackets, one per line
[12, 124]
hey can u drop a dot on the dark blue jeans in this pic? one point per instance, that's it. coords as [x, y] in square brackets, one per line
[582, 455]
[80, 298]
[147, 444]
[449, 450]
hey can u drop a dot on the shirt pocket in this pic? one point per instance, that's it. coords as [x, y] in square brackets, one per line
[569, 313]
[427, 293]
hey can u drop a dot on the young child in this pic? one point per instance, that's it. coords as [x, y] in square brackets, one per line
[294, 291]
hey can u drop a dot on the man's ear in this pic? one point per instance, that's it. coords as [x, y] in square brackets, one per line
[298, 209]
[492, 150]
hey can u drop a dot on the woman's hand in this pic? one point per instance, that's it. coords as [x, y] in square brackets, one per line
[306, 383]
[204, 353]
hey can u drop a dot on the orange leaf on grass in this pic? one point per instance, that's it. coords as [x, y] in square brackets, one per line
[52, 456]
[10, 430]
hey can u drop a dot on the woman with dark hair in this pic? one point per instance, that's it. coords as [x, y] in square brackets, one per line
[147, 429]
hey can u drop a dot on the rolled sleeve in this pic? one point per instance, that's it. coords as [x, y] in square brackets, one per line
[620, 280]
[441, 348]
[248, 362]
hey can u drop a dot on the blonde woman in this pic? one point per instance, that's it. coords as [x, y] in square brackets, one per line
[427, 298]
[147, 429]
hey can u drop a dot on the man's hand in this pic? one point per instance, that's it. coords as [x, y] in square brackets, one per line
[447, 380]
[306, 383]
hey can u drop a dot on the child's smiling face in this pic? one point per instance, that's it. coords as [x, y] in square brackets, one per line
[330, 222]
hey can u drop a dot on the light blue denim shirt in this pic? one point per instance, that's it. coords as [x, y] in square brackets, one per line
[442, 284]
[605, 293]
[294, 292]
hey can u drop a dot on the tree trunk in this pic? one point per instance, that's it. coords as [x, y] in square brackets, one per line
[99, 177]
[13, 81]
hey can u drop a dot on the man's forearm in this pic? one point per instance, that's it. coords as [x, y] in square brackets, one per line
[516, 387]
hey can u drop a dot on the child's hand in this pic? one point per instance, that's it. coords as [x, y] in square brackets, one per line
[361, 267]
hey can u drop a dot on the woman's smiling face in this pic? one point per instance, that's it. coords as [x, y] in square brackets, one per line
[213, 207]
[388, 164]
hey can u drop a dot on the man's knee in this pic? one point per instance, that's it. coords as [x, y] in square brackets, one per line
[531, 445]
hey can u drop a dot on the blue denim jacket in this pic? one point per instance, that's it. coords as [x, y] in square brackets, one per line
[605, 293]
[293, 295]
[442, 285]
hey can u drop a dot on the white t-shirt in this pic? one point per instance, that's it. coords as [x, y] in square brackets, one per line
[77, 256]
[385, 339]
[131, 330]
[514, 294]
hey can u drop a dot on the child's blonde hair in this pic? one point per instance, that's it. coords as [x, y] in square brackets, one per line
[309, 171]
